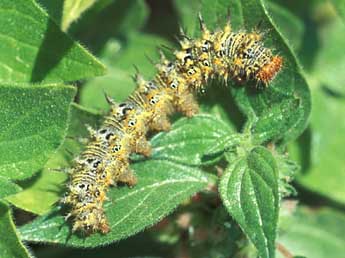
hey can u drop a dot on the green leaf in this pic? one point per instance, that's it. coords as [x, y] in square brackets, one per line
[276, 120]
[72, 9]
[33, 49]
[340, 8]
[189, 139]
[249, 190]
[316, 233]
[33, 123]
[162, 185]
[288, 88]
[321, 153]
[290, 25]
[7, 187]
[41, 192]
[10, 245]
[119, 57]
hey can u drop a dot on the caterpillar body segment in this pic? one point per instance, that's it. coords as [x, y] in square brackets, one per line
[239, 56]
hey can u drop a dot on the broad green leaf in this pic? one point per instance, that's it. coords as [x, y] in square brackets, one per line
[33, 123]
[340, 8]
[72, 10]
[288, 87]
[162, 185]
[316, 233]
[290, 25]
[10, 245]
[33, 49]
[7, 187]
[322, 155]
[41, 192]
[189, 139]
[119, 57]
[249, 190]
[330, 58]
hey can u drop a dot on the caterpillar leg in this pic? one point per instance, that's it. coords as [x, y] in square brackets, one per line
[160, 123]
[128, 178]
[187, 105]
[143, 147]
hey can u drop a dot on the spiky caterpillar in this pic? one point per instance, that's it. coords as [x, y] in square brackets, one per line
[240, 56]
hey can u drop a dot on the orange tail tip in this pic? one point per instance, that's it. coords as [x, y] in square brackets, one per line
[270, 70]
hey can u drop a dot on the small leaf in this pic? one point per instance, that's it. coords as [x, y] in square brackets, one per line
[162, 185]
[41, 192]
[189, 138]
[249, 190]
[33, 123]
[314, 233]
[7, 187]
[33, 49]
[276, 120]
[72, 9]
[10, 245]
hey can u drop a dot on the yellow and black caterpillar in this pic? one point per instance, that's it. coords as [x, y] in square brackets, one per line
[240, 56]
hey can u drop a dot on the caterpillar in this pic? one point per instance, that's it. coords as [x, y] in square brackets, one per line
[240, 56]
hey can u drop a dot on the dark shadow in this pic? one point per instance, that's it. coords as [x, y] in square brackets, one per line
[218, 93]
[315, 199]
[330, 92]
[163, 19]
[54, 9]
[304, 149]
[54, 47]
[310, 44]
[95, 28]
[142, 244]
[30, 181]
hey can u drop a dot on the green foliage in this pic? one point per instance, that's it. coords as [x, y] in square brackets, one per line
[241, 134]
[10, 244]
[162, 185]
[33, 123]
[187, 135]
[249, 190]
[40, 194]
[314, 234]
[33, 49]
[7, 187]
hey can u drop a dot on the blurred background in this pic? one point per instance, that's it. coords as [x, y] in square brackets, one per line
[122, 32]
